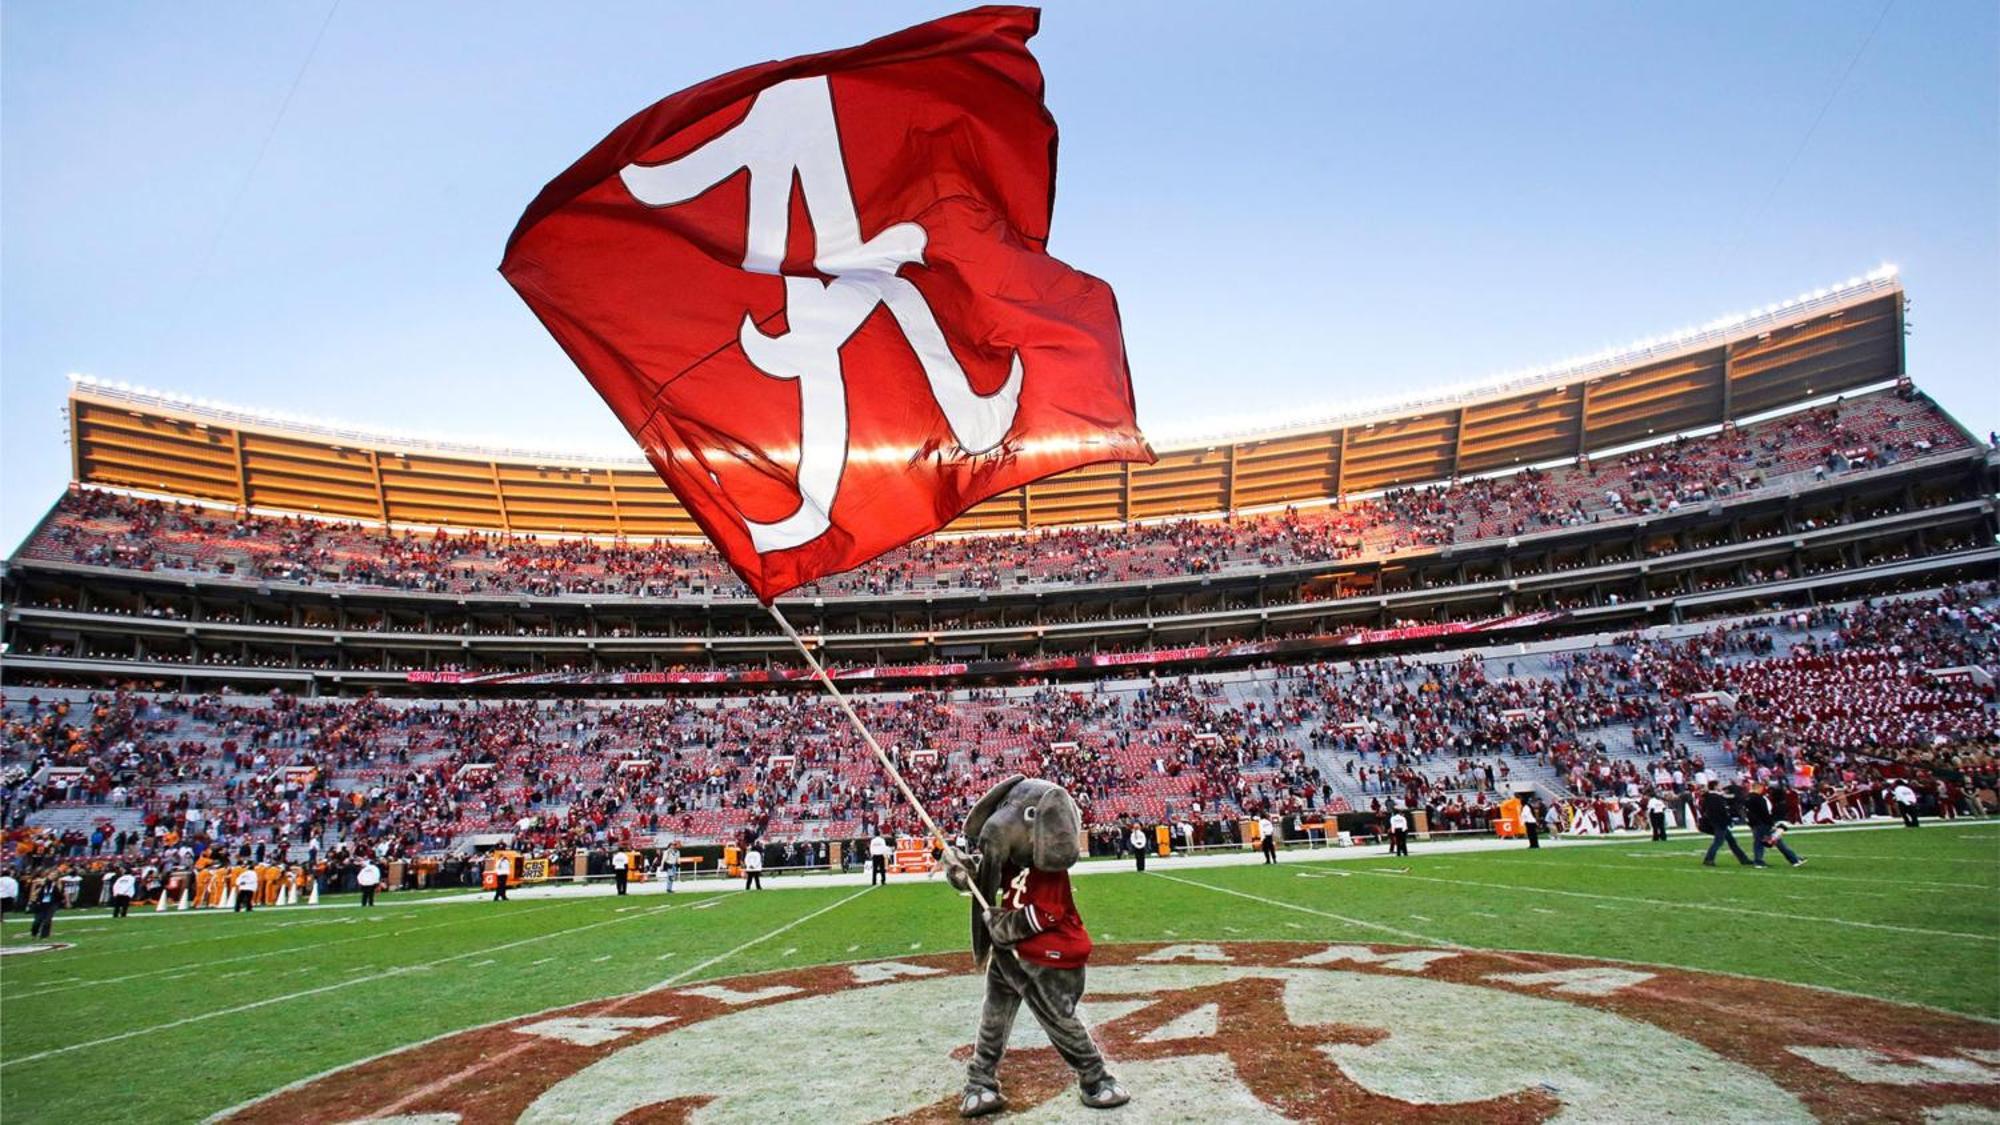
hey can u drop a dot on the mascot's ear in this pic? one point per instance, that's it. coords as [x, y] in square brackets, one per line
[976, 819]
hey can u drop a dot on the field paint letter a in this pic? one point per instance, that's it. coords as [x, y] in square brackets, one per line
[789, 130]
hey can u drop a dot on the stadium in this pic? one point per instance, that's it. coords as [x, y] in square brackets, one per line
[1757, 548]
[358, 775]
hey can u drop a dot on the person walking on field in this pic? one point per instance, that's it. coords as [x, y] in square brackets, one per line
[1267, 839]
[1715, 817]
[621, 868]
[1137, 842]
[878, 860]
[368, 879]
[246, 891]
[1399, 834]
[122, 889]
[503, 870]
[1906, 803]
[753, 868]
[1532, 823]
[1765, 830]
[1656, 814]
[670, 866]
[43, 902]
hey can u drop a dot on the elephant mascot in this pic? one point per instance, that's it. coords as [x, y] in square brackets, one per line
[1032, 944]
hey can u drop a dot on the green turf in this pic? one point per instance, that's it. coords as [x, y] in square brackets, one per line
[273, 997]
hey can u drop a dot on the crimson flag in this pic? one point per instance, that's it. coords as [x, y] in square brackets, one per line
[818, 293]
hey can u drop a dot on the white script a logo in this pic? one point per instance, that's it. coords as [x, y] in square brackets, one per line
[790, 130]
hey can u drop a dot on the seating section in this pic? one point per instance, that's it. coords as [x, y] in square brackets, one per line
[1825, 701]
[105, 529]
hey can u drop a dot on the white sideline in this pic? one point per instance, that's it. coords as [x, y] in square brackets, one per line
[426, 1090]
[396, 971]
[1524, 888]
[1229, 858]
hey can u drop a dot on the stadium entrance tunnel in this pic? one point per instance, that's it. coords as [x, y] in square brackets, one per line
[1248, 1032]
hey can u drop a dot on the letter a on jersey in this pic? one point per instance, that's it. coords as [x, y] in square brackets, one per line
[818, 294]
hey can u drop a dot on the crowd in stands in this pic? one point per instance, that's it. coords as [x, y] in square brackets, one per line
[1830, 705]
[106, 529]
[297, 774]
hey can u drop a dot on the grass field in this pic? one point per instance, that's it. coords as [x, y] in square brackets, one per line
[173, 1018]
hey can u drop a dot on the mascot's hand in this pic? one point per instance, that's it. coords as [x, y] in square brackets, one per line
[957, 869]
[1009, 927]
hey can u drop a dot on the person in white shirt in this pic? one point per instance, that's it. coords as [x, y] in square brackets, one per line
[10, 892]
[1137, 842]
[1656, 814]
[503, 873]
[122, 890]
[670, 866]
[1530, 822]
[368, 878]
[621, 868]
[1399, 834]
[878, 860]
[246, 891]
[753, 868]
[1906, 803]
[1268, 839]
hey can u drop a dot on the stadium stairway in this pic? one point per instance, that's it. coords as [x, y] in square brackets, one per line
[84, 817]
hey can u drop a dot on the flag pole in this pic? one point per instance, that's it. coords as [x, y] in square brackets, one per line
[882, 757]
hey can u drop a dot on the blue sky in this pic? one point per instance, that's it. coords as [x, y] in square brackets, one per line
[1299, 205]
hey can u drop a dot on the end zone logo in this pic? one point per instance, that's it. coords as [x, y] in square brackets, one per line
[1257, 1032]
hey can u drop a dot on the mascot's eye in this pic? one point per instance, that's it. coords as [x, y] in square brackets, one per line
[1029, 814]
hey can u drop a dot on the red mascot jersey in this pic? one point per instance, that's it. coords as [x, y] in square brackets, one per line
[1060, 939]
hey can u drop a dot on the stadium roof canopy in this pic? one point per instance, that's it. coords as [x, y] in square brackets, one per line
[1810, 348]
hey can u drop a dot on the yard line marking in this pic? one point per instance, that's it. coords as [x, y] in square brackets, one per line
[663, 956]
[450, 1080]
[756, 941]
[543, 961]
[1987, 863]
[483, 964]
[253, 1005]
[1815, 876]
[1407, 935]
[253, 930]
[600, 960]
[89, 983]
[1536, 890]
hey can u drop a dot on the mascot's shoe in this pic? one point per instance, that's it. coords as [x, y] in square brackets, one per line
[1106, 1094]
[978, 1101]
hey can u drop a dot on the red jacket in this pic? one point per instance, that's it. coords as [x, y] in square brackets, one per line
[1059, 939]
